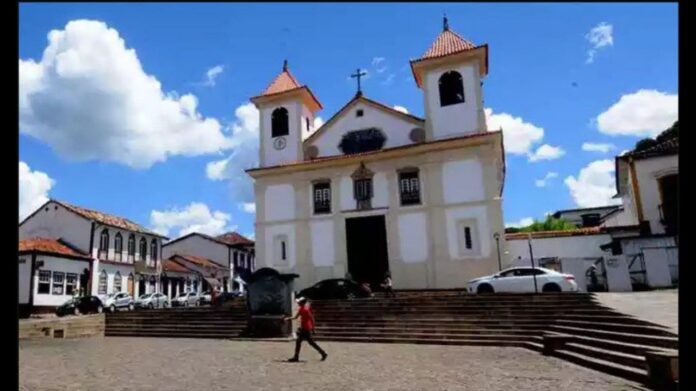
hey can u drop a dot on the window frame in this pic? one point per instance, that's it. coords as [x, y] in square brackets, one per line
[453, 84]
[117, 278]
[103, 278]
[473, 238]
[118, 247]
[321, 197]
[58, 284]
[142, 248]
[154, 251]
[71, 287]
[409, 178]
[278, 128]
[131, 248]
[104, 239]
[47, 283]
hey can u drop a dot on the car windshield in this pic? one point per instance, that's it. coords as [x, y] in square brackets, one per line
[146, 296]
[71, 301]
[183, 295]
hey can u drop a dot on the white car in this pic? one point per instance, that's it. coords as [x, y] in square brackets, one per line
[152, 300]
[118, 300]
[521, 280]
[186, 299]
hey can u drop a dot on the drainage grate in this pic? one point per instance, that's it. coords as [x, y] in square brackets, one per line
[60, 333]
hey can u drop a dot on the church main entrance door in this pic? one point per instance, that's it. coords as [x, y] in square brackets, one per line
[366, 241]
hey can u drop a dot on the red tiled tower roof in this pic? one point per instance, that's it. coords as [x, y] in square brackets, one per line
[448, 42]
[286, 82]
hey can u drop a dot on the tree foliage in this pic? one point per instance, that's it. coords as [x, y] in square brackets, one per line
[550, 224]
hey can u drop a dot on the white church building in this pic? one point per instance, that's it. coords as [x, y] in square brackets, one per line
[374, 190]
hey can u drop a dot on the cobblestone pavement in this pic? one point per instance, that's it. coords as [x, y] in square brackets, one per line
[195, 364]
[661, 307]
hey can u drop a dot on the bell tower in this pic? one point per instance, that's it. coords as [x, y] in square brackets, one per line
[450, 73]
[286, 110]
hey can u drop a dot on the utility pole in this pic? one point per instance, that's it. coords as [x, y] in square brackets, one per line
[496, 236]
[531, 256]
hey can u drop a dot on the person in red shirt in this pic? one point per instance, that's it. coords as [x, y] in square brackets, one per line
[306, 330]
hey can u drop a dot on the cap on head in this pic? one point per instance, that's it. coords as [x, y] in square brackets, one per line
[301, 300]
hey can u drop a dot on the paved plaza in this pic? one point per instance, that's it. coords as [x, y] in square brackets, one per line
[196, 364]
[661, 306]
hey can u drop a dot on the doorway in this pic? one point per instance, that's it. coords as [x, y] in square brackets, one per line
[366, 242]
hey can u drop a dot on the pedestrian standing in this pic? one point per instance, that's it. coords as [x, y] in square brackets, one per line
[387, 285]
[306, 330]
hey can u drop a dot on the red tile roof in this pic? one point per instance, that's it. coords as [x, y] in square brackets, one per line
[448, 42]
[170, 266]
[205, 262]
[234, 238]
[285, 81]
[50, 246]
[556, 234]
[107, 219]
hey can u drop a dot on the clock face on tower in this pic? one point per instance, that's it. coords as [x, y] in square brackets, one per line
[279, 143]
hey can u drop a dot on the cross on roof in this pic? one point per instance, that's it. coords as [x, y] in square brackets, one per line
[358, 74]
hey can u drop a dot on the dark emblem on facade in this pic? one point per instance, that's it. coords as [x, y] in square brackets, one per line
[363, 140]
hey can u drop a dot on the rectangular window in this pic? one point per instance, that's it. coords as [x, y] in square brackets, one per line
[362, 191]
[70, 283]
[409, 188]
[281, 250]
[58, 283]
[235, 259]
[322, 197]
[44, 282]
[283, 255]
[467, 238]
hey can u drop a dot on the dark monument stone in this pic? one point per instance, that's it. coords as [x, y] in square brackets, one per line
[269, 299]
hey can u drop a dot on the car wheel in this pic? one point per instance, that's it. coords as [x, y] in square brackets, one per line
[112, 308]
[150, 306]
[484, 288]
[198, 302]
[131, 307]
[551, 287]
[186, 304]
[76, 311]
[165, 305]
[350, 296]
[100, 309]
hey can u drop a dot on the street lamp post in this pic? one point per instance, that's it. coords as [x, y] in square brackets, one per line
[531, 256]
[496, 236]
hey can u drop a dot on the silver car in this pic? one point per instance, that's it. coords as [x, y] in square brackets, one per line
[186, 299]
[152, 300]
[114, 301]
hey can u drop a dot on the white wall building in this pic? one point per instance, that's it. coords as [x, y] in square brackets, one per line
[374, 190]
[123, 256]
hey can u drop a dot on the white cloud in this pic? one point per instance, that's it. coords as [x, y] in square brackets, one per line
[212, 74]
[244, 155]
[600, 36]
[546, 152]
[545, 180]
[248, 207]
[196, 217]
[518, 135]
[89, 98]
[594, 185]
[318, 121]
[644, 113]
[522, 223]
[388, 80]
[251, 235]
[33, 189]
[597, 147]
[401, 109]
[379, 64]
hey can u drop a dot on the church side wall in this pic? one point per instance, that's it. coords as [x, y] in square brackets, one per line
[648, 172]
[424, 241]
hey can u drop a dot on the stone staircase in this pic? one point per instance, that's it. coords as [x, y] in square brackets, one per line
[591, 335]
[594, 336]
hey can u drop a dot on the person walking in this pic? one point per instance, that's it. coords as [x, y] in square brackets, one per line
[306, 330]
[387, 285]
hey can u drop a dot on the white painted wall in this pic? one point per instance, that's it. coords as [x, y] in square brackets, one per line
[648, 171]
[306, 113]
[58, 265]
[57, 222]
[657, 271]
[618, 278]
[322, 233]
[199, 246]
[380, 188]
[483, 241]
[456, 119]
[111, 270]
[271, 231]
[111, 251]
[462, 181]
[413, 237]
[395, 128]
[346, 192]
[291, 152]
[279, 203]
[586, 246]
[24, 275]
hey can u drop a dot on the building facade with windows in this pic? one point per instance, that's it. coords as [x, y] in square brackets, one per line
[122, 256]
[375, 190]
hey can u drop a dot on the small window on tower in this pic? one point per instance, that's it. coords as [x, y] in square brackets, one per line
[451, 88]
[359, 113]
[279, 122]
[307, 123]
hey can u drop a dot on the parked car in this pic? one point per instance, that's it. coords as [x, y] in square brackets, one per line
[81, 305]
[521, 280]
[186, 299]
[118, 300]
[225, 297]
[205, 298]
[336, 288]
[152, 300]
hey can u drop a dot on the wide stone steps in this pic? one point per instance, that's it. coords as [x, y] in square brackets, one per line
[641, 339]
[604, 365]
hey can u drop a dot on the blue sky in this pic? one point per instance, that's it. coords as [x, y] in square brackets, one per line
[86, 139]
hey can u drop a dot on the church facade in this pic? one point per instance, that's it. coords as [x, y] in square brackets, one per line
[374, 190]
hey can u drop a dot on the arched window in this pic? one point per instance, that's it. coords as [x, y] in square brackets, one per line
[118, 281]
[102, 282]
[104, 244]
[279, 122]
[131, 248]
[451, 88]
[130, 284]
[153, 251]
[143, 249]
[118, 247]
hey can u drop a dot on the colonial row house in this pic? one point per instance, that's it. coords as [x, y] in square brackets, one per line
[376, 191]
[64, 248]
[189, 273]
[230, 251]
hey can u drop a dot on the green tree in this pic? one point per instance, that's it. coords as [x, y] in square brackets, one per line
[550, 224]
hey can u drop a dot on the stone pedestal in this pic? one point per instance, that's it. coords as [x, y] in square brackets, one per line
[269, 298]
[663, 370]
